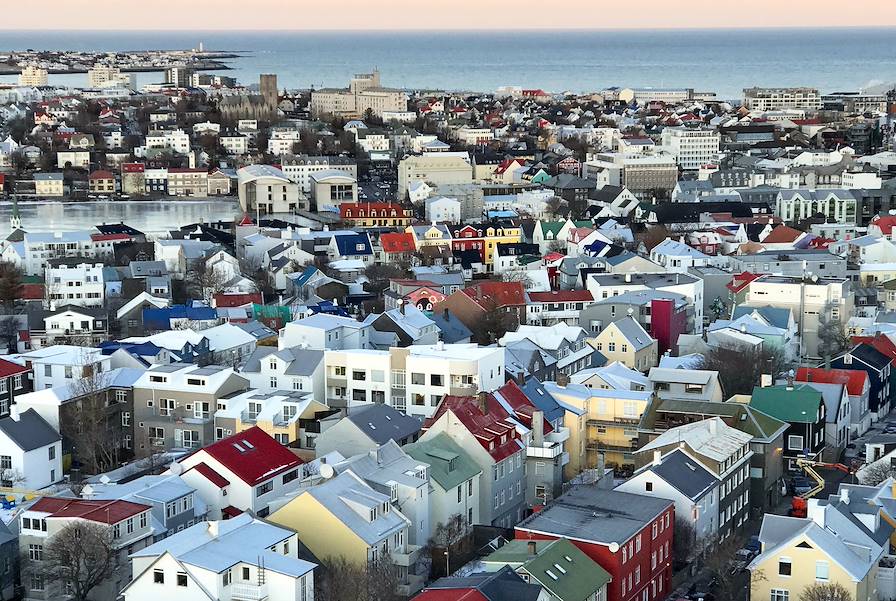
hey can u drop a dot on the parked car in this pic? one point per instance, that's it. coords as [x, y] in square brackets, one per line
[754, 545]
[801, 485]
[742, 559]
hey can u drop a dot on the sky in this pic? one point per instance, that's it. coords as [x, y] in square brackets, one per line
[450, 14]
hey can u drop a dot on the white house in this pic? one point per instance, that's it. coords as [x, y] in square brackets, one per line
[30, 451]
[680, 478]
[677, 256]
[73, 282]
[320, 331]
[441, 209]
[242, 558]
[57, 365]
[243, 472]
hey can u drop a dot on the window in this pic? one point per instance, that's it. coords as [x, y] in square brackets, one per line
[143, 520]
[272, 382]
[36, 552]
[5, 462]
[245, 573]
[822, 569]
[436, 380]
[795, 443]
[125, 419]
[158, 576]
[227, 578]
[290, 476]
[784, 566]
[263, 489]
[779, 594]
[167, 406]
[418, 379]
[648, 486]
[359, 375]
[181, 579]
[37, 582]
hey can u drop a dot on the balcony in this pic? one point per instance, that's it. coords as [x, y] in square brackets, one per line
[559, 435]
[249, 592]
[408, 557]
[547, 450]
[248, 416]
[411, 585]
[616, 422]
[599, 445]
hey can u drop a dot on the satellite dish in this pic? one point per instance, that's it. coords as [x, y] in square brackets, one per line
[176, 468]
[614, 547]
[327, 471]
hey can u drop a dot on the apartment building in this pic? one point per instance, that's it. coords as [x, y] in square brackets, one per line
[175, 404]
[242, 559]
[365, 93]
[322, 331]
[33, 76]
[296, 369]
[721, 449]
[187, 182]
[73, 281]
[776, 99]
[808, 299]
[412, 379]
[265, 189]
[60, 365]
[641, 174]
[300, 168]
[607, 285]
[175, 140]
[838, 206]
[437, 168]
[128, 523]
[292, 418]
[691, 147]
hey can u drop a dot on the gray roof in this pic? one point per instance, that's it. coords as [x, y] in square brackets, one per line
[685, 474]
[634, 333]
[384, 464]
[593, 514]
[30, 431]
[346, 496]
[240, 539]
[302, 361]
[643, 297]
[651, 280]
[382, 423]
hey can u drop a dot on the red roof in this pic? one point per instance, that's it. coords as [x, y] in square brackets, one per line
[885, 223]
[9, 369]
[107, 237]
[742, 280]
[881, 342]
[491, 428]
[855, 379]
[246, 220]
[223, 299]
[460, 593]
[522, 406]
[101, 174]
[104, 512]
[252, 455]
[561, 296]
[502, 294]
[133, 167]
[397, 242]
[507, 163]
[211, 475]
[782, 234]
[231, 512]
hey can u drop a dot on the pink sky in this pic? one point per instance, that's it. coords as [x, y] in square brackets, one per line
[447, 14]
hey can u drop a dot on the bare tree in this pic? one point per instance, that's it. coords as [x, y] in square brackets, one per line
[517, 274]
[92, 422]
[494, 323]
[80, 557]
[875, 473]
[826, 591]
[832, 338]
[740, 369]
[207, 282]
[10, 284]
[684, 544]
[340, 579]
[718, 563]
[448, 538]
[9, 332]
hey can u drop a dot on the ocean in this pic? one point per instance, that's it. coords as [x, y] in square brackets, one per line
[721, 61]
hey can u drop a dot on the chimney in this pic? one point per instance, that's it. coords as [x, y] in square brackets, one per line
[213, 528]
[714, 426]
[440, 345]
[401, 306]
[483, 402]
[628, 278]
[562, 380]
[765, 380]
[445, 314]
[790, 380]
[14, 412]
[844, 496]
[657, 457]
[532, 548]
[538, 428]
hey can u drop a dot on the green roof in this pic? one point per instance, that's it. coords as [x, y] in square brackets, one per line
[551, 226]
[745, 418]
[576, 579]
[449, 464]
[798, 405]
[583, 223]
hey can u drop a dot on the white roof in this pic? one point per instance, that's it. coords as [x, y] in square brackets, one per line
[712, 438]
[227, 336]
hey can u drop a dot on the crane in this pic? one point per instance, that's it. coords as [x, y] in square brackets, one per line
[800, 504]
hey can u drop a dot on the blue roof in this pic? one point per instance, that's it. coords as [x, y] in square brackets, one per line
[347, 244]
[328, 308]
[453, 330]
[776, 316]
[143, 349]
[306, 275]
[542, 399]
[160, 318]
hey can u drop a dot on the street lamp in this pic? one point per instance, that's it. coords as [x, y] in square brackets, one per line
[447, 563]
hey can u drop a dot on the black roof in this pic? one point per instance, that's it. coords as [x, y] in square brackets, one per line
[387, 423]
[870, 356]
[30, 431]
[118, 228]
[685, 474]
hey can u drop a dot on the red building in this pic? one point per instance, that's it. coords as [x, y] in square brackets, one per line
[629, 535]
[668, 321]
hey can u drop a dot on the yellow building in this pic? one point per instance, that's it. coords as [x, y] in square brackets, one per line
[627, 342]
[826, 547]
[344, 517]
[611, 424]
[484, 237]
